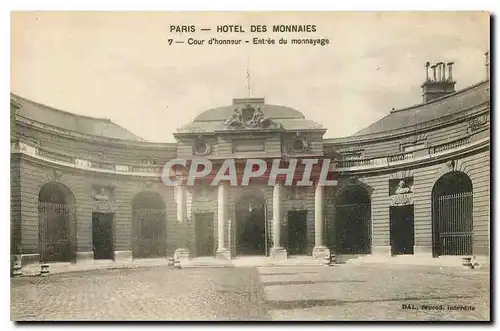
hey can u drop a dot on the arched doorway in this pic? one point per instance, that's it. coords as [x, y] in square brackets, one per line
[148, 225]
[251, 226]
[353, 221]
[57, 220]
[452, 224]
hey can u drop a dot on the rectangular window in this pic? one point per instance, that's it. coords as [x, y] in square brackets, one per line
[351, 156]
[248, 145]
[414, 147]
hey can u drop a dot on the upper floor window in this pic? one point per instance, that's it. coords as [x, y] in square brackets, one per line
[298, 145]
[351, 156]
[200, 148]
[413, 147]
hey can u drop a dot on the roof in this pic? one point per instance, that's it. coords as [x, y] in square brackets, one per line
[453, 103]
[270, 111]
[214, 119]
[101, 127]
[213, 126]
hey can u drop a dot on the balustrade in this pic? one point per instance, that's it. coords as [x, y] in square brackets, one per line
[55, 156]
[451, 145]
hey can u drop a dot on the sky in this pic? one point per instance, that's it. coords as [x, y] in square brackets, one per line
[119, 65]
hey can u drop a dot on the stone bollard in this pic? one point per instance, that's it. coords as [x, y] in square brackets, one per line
[44, 269]
[473, 263]
[333, 259]
[177, 263]
[466, 261]
[327, 260]
[16, 268]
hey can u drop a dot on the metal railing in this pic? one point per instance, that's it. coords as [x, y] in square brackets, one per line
[55, 156]
[403, 157]
[149, 230]
[57, 232]
[353, 228]
[145, 168]
[102, 165]
[454, 224]
[451, 145]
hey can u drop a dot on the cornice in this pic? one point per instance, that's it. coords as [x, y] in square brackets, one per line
[420, 162]
[73, 167]
[441, 122]
[50, 129]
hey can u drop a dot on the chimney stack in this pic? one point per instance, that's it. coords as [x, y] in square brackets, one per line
[439, 85]
[450, 71]
[439, 69]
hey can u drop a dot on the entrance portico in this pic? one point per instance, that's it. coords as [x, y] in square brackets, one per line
[254, 220]
[252, 156]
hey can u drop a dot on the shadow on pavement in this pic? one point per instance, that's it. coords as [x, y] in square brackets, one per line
[309, 282]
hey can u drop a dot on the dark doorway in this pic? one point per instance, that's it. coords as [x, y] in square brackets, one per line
[251, 231]
[149, 225]
[297, 232]
[204, 227]
[102, 235]
[352, 231]
[402, 229]
[452, 223]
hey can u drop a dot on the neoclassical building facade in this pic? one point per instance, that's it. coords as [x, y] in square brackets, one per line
[416, 182]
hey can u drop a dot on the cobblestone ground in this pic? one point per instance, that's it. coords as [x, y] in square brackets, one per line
[370, 292]
[347, 292]
[149, 294]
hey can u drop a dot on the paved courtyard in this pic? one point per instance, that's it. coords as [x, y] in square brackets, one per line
[346, 292]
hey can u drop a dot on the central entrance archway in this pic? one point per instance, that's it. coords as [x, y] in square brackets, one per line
[251, 226]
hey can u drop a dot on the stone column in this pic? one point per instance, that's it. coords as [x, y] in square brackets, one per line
[277, 251]
[182, 251]
[222, 214]
[320, 250]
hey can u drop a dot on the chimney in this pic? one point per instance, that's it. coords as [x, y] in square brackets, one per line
[439, 85]
[450, 71]
[439, 70]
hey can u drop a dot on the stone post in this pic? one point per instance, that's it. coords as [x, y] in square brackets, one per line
[277, 251]
[182, 252]
[320, 250]
[222, 215]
